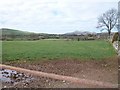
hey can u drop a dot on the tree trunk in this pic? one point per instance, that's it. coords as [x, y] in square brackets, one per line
[109, 32]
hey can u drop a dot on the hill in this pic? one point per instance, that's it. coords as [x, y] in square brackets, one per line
[6, 31]
[80, 33]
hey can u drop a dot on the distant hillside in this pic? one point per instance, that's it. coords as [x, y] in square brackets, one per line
[80, 33]
[6, 31]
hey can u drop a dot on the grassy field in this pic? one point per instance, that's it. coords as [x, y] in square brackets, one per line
[48, 49]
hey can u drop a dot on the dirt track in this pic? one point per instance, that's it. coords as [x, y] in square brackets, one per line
[61, 77]
[103, 71]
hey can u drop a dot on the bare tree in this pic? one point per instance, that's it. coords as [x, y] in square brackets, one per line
[108, 20]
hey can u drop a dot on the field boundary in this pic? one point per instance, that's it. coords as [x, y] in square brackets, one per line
[61, 77]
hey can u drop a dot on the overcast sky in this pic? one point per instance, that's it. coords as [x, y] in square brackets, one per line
[53, 16]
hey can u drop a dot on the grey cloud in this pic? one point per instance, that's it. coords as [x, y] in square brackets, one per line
[55, 16]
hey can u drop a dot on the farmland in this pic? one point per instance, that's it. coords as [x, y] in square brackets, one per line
[90, 60]
[56, 49]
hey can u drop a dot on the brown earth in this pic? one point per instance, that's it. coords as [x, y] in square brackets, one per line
[102, 70]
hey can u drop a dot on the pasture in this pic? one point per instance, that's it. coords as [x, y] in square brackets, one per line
[56, 49]
[90, 60]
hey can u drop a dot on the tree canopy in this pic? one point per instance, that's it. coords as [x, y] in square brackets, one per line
[107, 21]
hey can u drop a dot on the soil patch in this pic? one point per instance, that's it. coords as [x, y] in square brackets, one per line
[102, 70]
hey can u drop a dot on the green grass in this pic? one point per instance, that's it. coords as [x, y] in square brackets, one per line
[48, 49]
